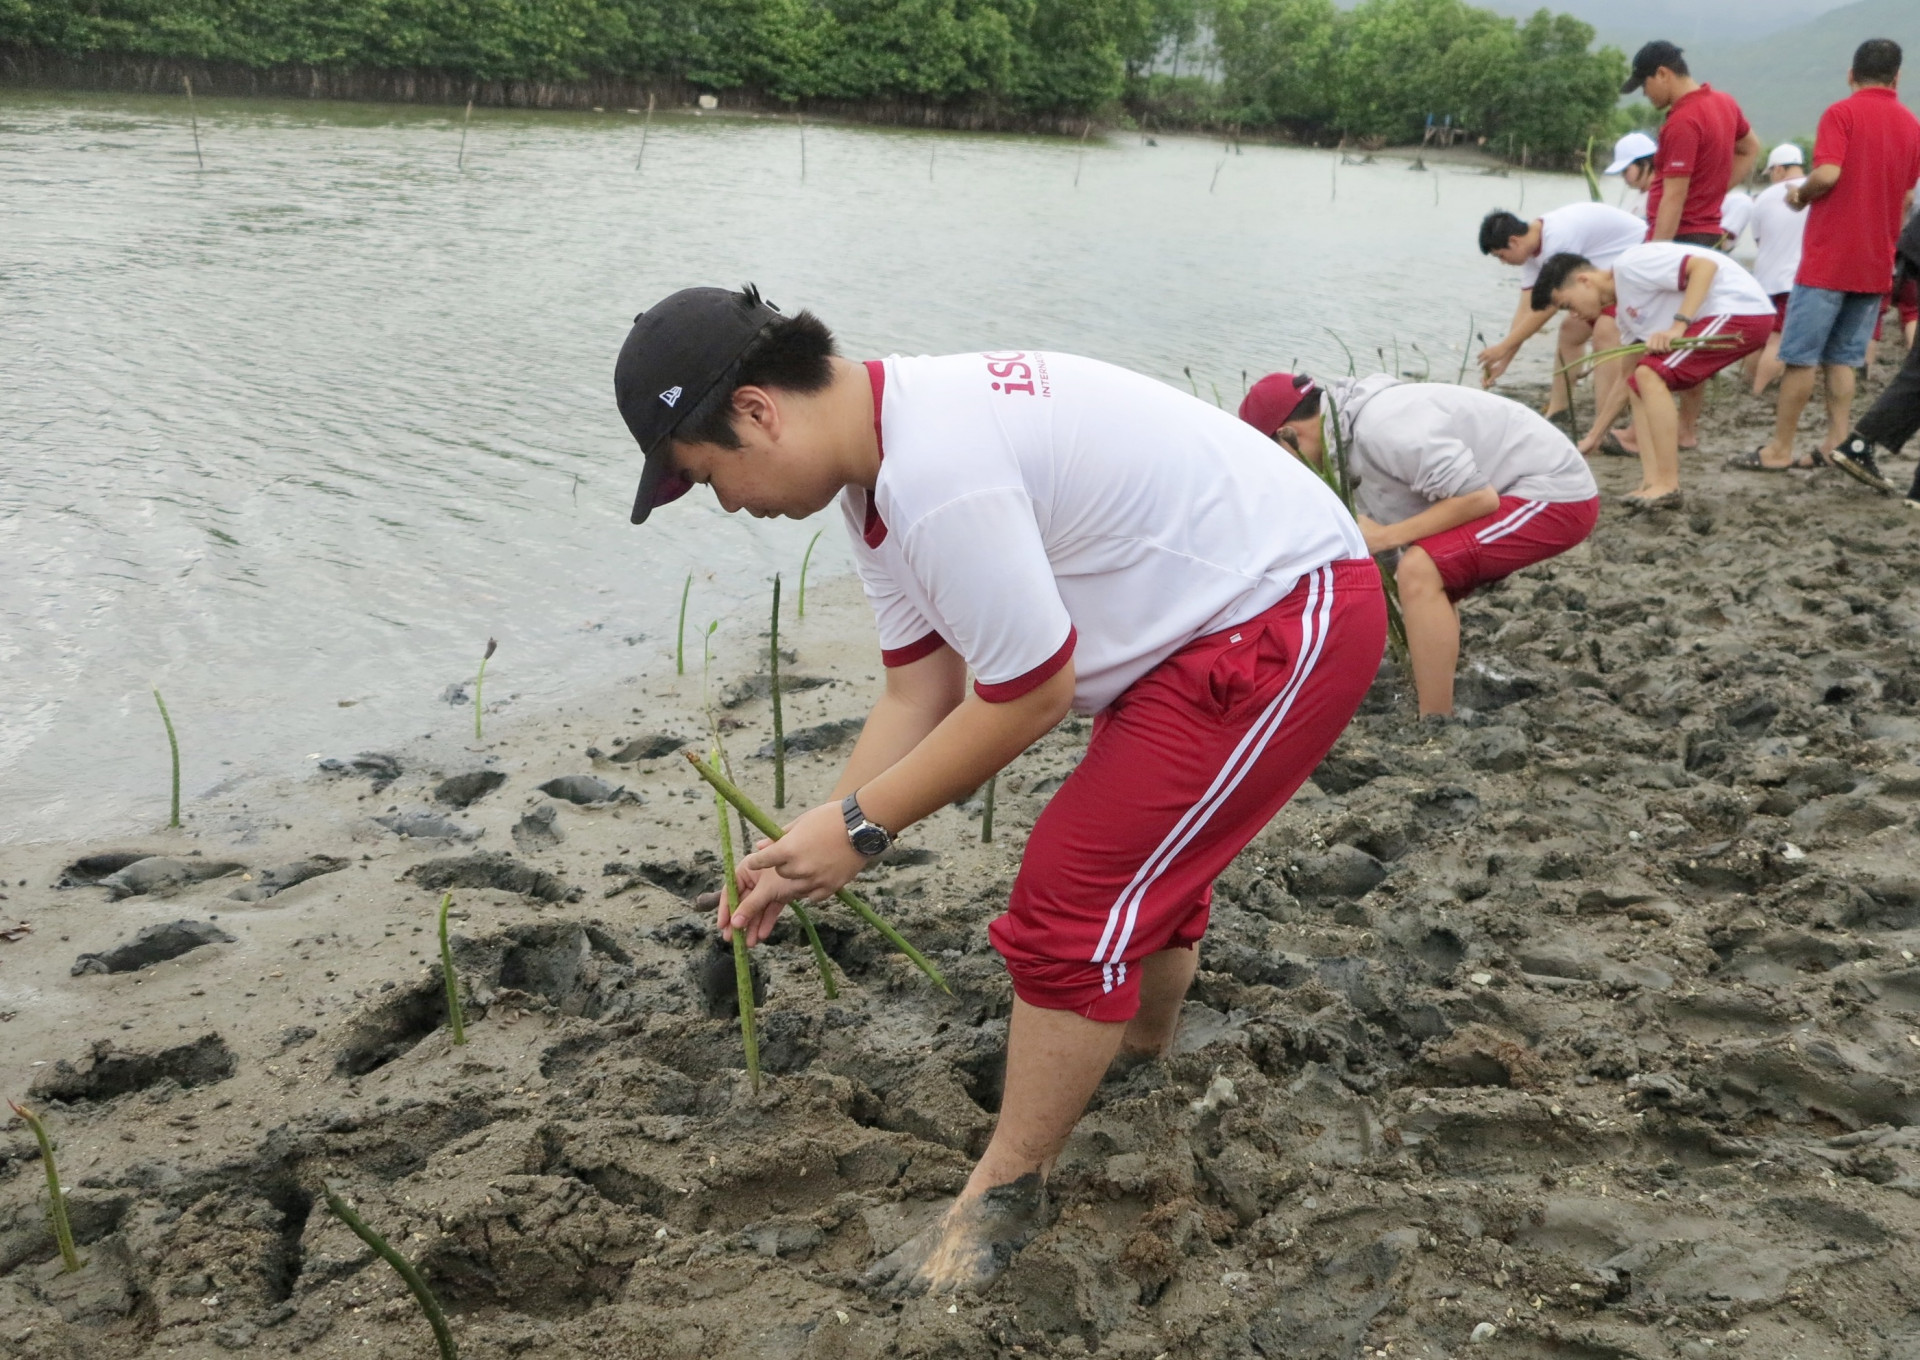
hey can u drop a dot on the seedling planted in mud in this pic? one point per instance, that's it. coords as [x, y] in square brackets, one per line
[729, 899]
[779, 726]
[986, 812]
[56, 1197]
[1333, 471]
[478, 681]
[174, 743]
[804, 559]
[771, 829]
[456, 1019]
[680, 646]
[405, 1268]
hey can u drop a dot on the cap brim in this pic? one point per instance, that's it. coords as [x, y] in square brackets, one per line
[1633, 83]
[1619, 166]
[659, 484]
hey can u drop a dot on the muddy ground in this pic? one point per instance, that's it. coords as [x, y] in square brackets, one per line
[1589, 1024]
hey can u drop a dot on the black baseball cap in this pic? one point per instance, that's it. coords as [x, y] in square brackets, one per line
[1649, 59]
[678, 351]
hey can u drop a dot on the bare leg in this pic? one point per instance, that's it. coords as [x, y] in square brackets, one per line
[1767, 367]
[1691, 401]
[1656, 418]
[1607, 377]
[1164, 980]
[1433, 630]
[1055, 1059]
[1840, 384]
[1796, 387]
[1574, 334]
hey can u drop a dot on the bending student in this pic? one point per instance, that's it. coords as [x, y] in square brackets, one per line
[1080, 538]
[1664, 292]
[1468, 487]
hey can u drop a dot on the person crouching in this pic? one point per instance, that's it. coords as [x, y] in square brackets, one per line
[1466, 486]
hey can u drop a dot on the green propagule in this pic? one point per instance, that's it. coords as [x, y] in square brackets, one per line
[173, 744]
[1333, 471]
[70, 1260]
[479, 680]
[456, 1016]
[422, 1294]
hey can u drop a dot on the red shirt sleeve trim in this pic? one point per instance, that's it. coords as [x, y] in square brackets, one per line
[874, 531]
[1008, 690]
[892, 657]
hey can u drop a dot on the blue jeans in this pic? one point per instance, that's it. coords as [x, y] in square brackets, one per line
[1826, 326]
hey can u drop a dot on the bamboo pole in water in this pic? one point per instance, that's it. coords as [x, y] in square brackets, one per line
[645, 128]
[460, 163]
[193, 120]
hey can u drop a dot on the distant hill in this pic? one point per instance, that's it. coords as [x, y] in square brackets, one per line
[1784, 80]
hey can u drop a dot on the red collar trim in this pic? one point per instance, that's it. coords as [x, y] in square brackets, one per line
[874, 531]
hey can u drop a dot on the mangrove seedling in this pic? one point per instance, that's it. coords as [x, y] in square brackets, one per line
[1216, 392]
[771, 830]
[1343, 348]
[173, 743]
[1334, 471]
[680, 646]
[194, 119]
[478, 682]
[1188, 370]
[1466, 349]
[806, 558]
[645, 128]
[819, 950]
[460, 161]
[1586, 167]
[456, 1020]
[986, 812]
[402, 1266]
[56, 1197]
[729, 899]
[779, 725]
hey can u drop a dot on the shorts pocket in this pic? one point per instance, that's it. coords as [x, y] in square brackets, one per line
[1251, 660]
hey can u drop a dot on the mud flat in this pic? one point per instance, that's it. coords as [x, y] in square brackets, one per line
[1590, 1022]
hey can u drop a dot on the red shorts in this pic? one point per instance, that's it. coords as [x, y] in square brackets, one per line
[1907, 299]
[1779, 311]
[1184, 769]
[1682, 369]
[1518, 534]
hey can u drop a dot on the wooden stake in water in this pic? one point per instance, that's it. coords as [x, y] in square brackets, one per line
[1079, 160]
[479, 681]
[405, 1268]
[456, 1018]
[645, 128]
[1466, 349]
[800, 118]
[729, 898]
[804, 559]
[461, 162]
[779, 726]
[56, 1197]
[173, 743]
[193, 120]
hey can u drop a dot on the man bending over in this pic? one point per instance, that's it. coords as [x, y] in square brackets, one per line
[1466, 486]
[1079, 538]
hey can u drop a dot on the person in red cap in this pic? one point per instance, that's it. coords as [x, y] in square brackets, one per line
[1079, 538]
[1465, 486]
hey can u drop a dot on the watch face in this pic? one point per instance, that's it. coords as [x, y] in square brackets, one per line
[871, 840]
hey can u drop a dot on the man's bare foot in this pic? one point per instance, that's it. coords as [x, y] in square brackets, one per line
[967, 1247]
[1623, 435]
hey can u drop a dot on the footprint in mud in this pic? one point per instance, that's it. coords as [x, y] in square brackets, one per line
[538, 830]
[273, 882]
[88, 870]
[682, 878]
[828, 736]
[464, 790]
[145, 875]
[651, 746]
[492, 870]
[711, 970]
[586, 790]
[154, 944]
[378, 766]
[761, 687]
[110, 1071]
[427, 826]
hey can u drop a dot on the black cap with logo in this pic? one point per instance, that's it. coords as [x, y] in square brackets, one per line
[1649, 59]
[677, 352]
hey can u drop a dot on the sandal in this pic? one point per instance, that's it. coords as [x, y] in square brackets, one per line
[1750, 462]
[1666, 500]
[1816, 459]
[1613, 448]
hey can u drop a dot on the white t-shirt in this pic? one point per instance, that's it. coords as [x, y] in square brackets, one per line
[1736, 210]
[1593, 230]
[1648, 286]
[1776, 237]
[1033, 507]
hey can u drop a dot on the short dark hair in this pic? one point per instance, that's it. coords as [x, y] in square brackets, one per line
[794, 353]
[1553, 277]
[1876, 61]
[1498, 228]
[1308, 407]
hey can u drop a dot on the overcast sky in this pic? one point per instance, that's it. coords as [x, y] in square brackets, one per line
[1680, 21]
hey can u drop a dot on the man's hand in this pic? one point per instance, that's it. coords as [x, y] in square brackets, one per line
[811, 862]
[1493, 362]
[1662, 341]
[1794, 199]
[1379, 537]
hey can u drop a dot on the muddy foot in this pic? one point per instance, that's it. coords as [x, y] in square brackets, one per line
[967, 1248]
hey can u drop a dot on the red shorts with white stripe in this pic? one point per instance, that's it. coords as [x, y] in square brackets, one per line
[1184, 769]
[1681, 369]
[1779, 311]
[1518, 534]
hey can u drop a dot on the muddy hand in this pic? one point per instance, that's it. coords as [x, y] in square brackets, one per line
[967, 1247]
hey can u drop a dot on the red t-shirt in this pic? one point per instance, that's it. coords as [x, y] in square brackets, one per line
[1848, 245]
[1697, 140]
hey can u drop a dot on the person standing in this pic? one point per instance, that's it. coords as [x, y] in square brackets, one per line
[1633, 157]
[1594, 230]
[1079, 538]
[1892, 420]
[1776, 239]
[1866, 158]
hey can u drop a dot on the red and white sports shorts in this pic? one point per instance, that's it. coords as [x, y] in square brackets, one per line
[1518, 534]
[1681, 369]
[1184, 768]
[1779, 311]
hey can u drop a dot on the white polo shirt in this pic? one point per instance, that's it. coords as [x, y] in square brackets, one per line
[1591, 230]
[1736, 211]
[1648, 285]
[1035, 507]
[1776, 237]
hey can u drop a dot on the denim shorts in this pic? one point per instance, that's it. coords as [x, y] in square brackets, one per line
[1826, 326]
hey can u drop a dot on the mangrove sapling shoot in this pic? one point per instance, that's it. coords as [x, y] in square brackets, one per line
[1638, 348]
[460, 162]
[193, 119]
[986, 812]
[771, 830]
[819, 950]
[1586, 167]
[680, 647]
[1216, 391]
[1343, 348]
[1188, 370]
[56, 1197]
[779, 726]
[1466, 349]
[1334, 451]
[478, 682]
[173, 744]
[405, 1268]
[805, 558]
[729, 899]
[1426, 364]
[456, 1018]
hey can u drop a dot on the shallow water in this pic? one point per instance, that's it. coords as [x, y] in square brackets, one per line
[291, 436]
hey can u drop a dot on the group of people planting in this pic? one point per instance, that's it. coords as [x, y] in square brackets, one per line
[1039, 533]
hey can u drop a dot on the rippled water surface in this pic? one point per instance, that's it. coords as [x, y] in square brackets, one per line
[292, 435]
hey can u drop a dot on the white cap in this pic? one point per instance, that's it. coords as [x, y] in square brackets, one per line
[1635, 146]
[1785, 154]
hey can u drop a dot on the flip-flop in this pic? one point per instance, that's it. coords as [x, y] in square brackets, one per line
[1816, 459]
[1750, 462]
[1613, 448]
[1666, 500]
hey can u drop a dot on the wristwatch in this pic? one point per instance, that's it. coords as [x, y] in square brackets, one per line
[1683, 318]
[869, 838]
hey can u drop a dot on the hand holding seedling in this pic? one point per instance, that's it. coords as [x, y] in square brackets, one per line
[810, 863]
[1379, 537]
